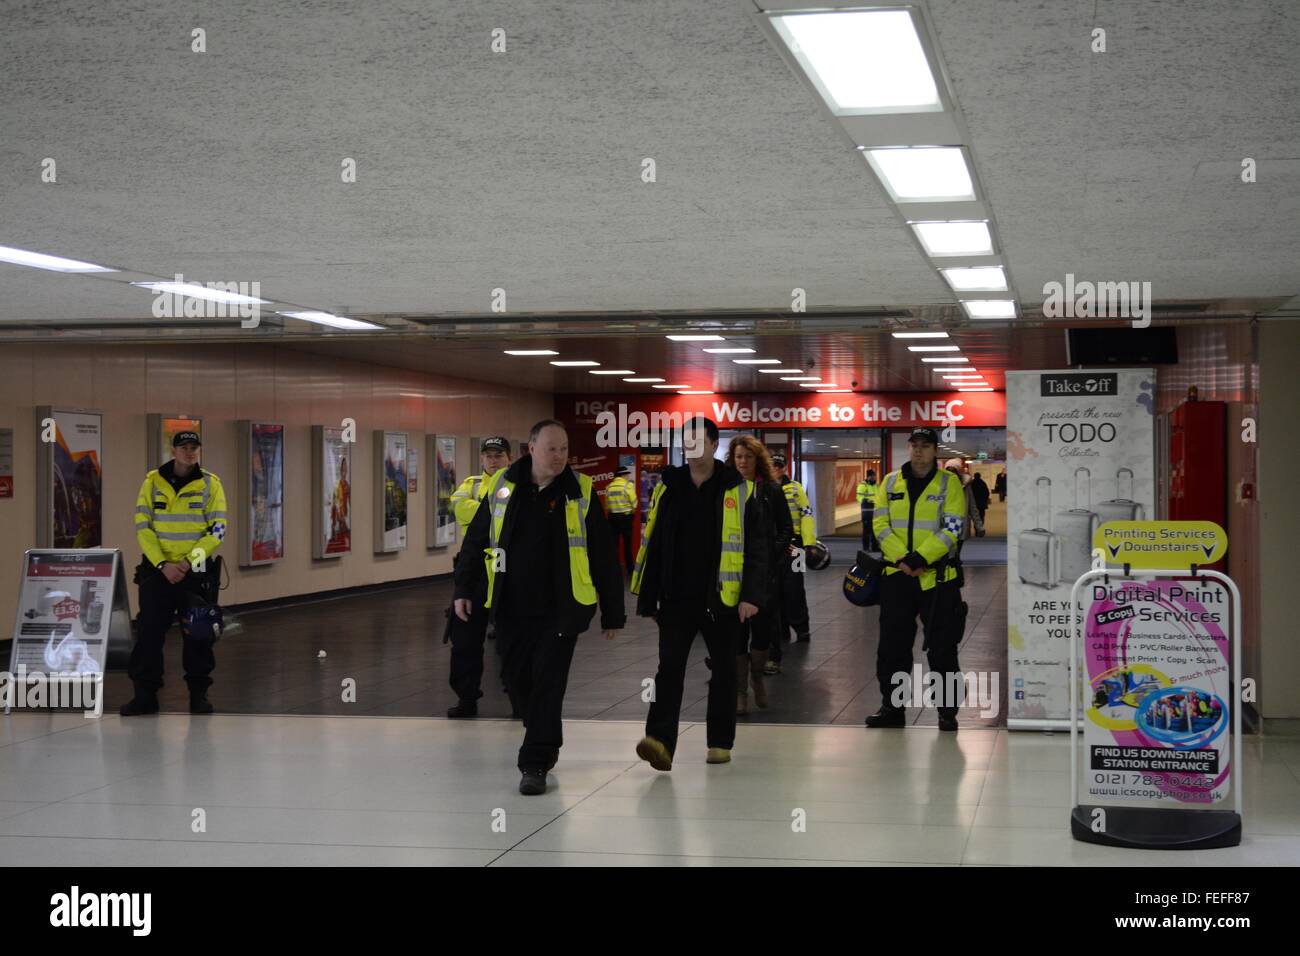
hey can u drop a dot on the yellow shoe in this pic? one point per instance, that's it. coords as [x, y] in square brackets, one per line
[718, 755]
[655, 753]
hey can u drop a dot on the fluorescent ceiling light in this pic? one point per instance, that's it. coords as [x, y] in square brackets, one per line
[986, 389]
[38, 260]
[946, 358]
[800, 378]
[611, 371]
[954, 238]
[697, 338]
[933, 348]
[990, 308]
[333, 321]
[757, 361]
[531, 352]
[729, 351]
[976, 279]
[778, 371]
[677, 387]
[923, 173]
[919, 335]
[819, 385]
[694, 391]
[834, 391]
[957, 375]
[862, 59]
[643, 379]
[582, 363]
[196, 291]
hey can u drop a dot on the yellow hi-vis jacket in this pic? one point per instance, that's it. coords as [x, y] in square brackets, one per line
[866, 494]
[801, 516]
[930, 526]
[575, 523]
[620, 497]
[731, 565]
[465, 499]
[189, 524]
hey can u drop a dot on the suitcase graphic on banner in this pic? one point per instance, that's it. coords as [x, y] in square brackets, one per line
[1121, 508]
[1040, 549]
[1075, 528]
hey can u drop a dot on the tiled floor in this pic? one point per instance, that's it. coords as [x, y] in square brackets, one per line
[348, 791]
[389, 643]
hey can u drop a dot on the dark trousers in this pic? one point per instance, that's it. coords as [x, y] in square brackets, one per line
[794, 607]
[537, 659]
[160, 603]
[868, 533]
[759, 632]
[621, 526]
[901, 602]
[676, 635]
[466, 669]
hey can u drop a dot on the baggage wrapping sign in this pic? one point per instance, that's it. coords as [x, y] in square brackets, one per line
[1080, 453]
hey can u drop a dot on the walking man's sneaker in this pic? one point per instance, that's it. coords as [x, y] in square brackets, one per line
[532, 782]
[718, 755]
[655, 753]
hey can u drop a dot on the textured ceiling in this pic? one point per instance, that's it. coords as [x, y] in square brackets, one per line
[522, 170]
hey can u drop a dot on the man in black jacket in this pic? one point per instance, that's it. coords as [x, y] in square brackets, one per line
[547, 555]
[702, 570]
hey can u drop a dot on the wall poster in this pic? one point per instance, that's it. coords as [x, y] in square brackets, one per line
[391, 490]
[261, 499]
[331, 492]
[69, 478]
[442, 520]
[162, 429]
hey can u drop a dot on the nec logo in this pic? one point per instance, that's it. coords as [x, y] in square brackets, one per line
[1085, 383]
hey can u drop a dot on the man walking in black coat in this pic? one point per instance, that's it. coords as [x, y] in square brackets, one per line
[547, 556]
[702, 569]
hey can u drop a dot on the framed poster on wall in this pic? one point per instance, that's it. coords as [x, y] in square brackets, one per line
[391, 489]
[162, 428]
[261, 499]
[331, 513]
[69, 478]
[442, 520]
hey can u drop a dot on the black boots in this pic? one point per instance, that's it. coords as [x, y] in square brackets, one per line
[199, 703]
[144, 702]
[463, 710]
[888, 717]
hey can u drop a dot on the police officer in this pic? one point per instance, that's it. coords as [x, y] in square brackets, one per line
[794, 606]
[180, 521]
[620, 500]
[546, 557]
[702, 569]
[866, 493]
[466, 669]
[918, 517]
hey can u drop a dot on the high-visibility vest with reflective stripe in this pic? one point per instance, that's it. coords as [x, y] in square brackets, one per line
[936, 521]
[190, 523]
[731, 566]
[620, 497]
[866, 494]
[801, 515]
[575, 523]
[465, 499]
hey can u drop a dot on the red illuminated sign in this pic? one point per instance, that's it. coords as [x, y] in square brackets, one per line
[622, 416]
